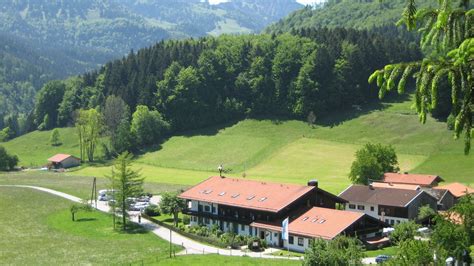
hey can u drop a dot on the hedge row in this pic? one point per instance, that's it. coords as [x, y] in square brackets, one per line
[186, 234]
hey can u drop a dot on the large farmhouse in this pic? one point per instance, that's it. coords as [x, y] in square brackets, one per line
[392, 205]
[257, 208]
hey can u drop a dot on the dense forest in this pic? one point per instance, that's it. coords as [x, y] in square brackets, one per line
[357, 14]
[196, 83]
[43, 40]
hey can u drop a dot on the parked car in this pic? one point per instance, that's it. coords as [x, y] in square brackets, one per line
[143, 199]
[382, 258]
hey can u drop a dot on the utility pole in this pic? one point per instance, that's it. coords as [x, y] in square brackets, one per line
[170, 242]
[94, 192]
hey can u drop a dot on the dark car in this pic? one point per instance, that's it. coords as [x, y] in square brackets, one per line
[382, 258]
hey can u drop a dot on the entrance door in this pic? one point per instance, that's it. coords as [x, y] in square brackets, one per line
[262, 235]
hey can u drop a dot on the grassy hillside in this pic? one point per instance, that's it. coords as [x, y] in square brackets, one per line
[348, 13]
[34, 148]
[285, 151]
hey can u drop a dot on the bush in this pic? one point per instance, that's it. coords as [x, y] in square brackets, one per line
[7, 162]
[152, 210]
[186, 219]
[260, 244]
[404, 231]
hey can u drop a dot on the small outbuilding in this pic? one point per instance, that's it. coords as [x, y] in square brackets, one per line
[59, 161]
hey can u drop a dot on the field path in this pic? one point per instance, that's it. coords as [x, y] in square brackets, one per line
[190, 246]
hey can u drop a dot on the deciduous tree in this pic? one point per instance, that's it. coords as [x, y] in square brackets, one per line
[371, 162]
[55, 138]
[171, 204]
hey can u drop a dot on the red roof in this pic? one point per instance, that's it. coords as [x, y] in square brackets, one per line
[318, 223]
[393, 185]
[457, 189]
[413, 179]
[59, 158]
[245, 193]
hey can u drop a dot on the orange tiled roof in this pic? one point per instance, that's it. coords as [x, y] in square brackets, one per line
[59, 158]
[457, 189]
[318, 223]
[392, 185]
[413, 179]
[245, 193]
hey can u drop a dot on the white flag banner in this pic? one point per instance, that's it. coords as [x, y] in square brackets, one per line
[284, 229]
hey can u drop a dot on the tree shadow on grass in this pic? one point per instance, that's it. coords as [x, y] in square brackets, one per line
[355, 111]
[86, 219]
[134, 229]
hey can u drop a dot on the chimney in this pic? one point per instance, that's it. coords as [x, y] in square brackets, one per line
[313, 183]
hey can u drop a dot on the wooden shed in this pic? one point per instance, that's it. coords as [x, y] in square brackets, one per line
[64, 161]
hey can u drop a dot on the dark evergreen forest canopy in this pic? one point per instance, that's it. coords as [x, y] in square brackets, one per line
[195, 83]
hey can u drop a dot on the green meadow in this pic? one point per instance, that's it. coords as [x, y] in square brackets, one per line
[287, 151]
[36, 228]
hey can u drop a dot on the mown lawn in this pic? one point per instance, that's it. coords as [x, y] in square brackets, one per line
[34, 148]
[221, 260]
[391, 251]
[79, 186]
[36, 228]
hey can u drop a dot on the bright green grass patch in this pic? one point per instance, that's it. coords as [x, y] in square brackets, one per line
[34, 148]
[152, 174]
[207, 152]
[222, 260]
[79, 186]
[391, 251]
[36, 228]
[450, 163]
[327, 161]
[286, 253]
[238, 147]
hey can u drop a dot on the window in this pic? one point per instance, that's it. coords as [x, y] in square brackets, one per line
[262, 199]
[392, 222]
[207, 208]
[222, 193]
[361, 207]
[305, 218]
[352, 206]
[206, 220]
[398, 221]
[291, 240]
[242, 227]
[386, 220]
[250, 197]
[213, 209]
[275, 234]
[235, 195]
[300, 241]
[372, 208]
